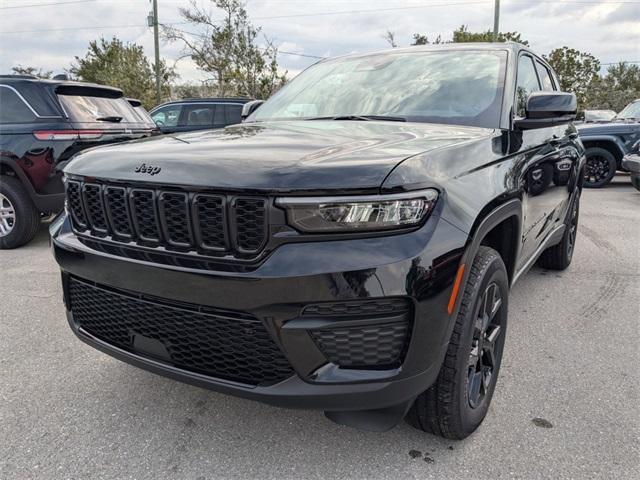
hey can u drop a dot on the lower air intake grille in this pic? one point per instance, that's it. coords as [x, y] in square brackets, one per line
[379, 346]
[228, 345]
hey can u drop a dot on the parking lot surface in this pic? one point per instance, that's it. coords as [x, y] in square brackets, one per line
[566, 404]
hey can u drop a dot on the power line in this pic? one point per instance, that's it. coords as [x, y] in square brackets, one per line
[11, 7]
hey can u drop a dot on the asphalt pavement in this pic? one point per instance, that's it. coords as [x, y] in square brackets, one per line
[566, 404]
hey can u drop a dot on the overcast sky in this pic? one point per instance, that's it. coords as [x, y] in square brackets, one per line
[50, 33]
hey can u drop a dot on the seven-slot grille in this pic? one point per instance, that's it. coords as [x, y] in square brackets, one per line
[186, 221]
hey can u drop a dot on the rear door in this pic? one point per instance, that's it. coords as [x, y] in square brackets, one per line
[197, 116]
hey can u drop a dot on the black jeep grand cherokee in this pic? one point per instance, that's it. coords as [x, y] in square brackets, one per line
[349, 248]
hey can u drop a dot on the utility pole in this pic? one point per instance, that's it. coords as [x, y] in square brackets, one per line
[496, 20]
[152, 20]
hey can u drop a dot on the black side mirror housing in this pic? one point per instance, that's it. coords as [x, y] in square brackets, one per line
[547, 109]
[250, 107]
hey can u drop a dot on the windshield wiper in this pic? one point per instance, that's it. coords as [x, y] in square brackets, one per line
[112, 119]
[361, 118]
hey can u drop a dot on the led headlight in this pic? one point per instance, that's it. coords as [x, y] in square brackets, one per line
[358, 213]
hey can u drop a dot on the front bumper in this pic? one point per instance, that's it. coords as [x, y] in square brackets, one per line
[419, 267]
[631, 162]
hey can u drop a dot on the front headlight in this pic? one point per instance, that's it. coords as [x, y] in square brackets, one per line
[358, 213]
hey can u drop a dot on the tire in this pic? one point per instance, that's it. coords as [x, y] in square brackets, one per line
[558, 257]
[19, 218]
[600, 168]
[452, 407]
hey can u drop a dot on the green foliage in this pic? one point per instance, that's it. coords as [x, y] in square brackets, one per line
[36, 72]
[420, 39]
[618, 87]
[463, 35]
[124, 66]
[577, 71]
[228, 51]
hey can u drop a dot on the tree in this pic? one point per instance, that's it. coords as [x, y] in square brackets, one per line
[36, 72]
[390, 38]
[463, 35]
[227, 50]
[124, 66]
[577, 72]
[420, 39]
[619, 86]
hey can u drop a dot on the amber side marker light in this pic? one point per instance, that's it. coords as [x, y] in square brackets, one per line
[456, 287]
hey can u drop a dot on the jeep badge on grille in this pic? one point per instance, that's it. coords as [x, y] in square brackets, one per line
[144, 168]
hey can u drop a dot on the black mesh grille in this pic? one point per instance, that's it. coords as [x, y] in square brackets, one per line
[251, 218]
[229, 345]
[173, 206]
[74, 201]
[210, 216]
[381, 306]
[144, 214]
[178, 220]
[95, 209]
[118, 211]
[378, 345]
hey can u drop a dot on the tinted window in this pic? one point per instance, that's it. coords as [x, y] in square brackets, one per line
[545, 77]
[233, 114]
[13, 109]
[218, 120]
[527, 83]
[461, 87]
[198, 115]
[167, 116]
[87, 108]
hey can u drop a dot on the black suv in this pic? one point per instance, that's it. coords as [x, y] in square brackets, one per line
[42, 124]
[198, 114]
[607, 143]
[349, 248]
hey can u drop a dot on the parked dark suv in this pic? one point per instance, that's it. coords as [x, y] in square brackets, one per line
[349, 248]
[198, 114]
[607, 143]
[42, 124]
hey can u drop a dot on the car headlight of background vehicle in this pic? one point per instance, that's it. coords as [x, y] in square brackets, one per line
[358, 213]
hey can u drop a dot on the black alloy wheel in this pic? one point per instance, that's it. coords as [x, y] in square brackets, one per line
[482, 358]
[600, 167]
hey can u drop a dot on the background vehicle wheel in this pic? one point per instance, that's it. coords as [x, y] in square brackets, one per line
[19, 218]
[600, 168]
[558, 257]
[458, 401]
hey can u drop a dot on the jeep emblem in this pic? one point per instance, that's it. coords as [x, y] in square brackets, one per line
[144, 168]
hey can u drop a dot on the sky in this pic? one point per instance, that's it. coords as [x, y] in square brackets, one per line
[49, 34]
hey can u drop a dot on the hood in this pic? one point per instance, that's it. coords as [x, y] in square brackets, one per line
[608, 128]
[274, 156]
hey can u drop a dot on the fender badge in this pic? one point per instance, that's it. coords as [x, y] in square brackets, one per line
[144, 168]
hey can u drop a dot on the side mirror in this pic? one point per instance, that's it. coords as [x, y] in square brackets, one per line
[250, 107]
[548, 109]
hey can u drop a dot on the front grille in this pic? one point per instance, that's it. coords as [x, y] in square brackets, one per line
[219, 343]
[380, 306]
[379, 346]
[176, 220]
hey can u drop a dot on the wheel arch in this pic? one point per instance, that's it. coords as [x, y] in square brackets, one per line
[500, 229]
[610, 143]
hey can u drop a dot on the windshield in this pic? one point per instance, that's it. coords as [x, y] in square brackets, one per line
[630, 111]
[452, 87]
[91, 109]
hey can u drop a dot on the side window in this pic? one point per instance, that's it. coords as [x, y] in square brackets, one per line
[233, 114]
[527, 83]
[13, 109]
[218, 119]
[198, 115]
[167, 116]
[545, 77]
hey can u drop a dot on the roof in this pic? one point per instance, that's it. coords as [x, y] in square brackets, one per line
[17, 80]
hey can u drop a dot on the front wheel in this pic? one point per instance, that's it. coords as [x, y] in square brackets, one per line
[600, 168]
[456, 404]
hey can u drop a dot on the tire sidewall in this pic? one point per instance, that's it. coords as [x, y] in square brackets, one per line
[471, 418]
